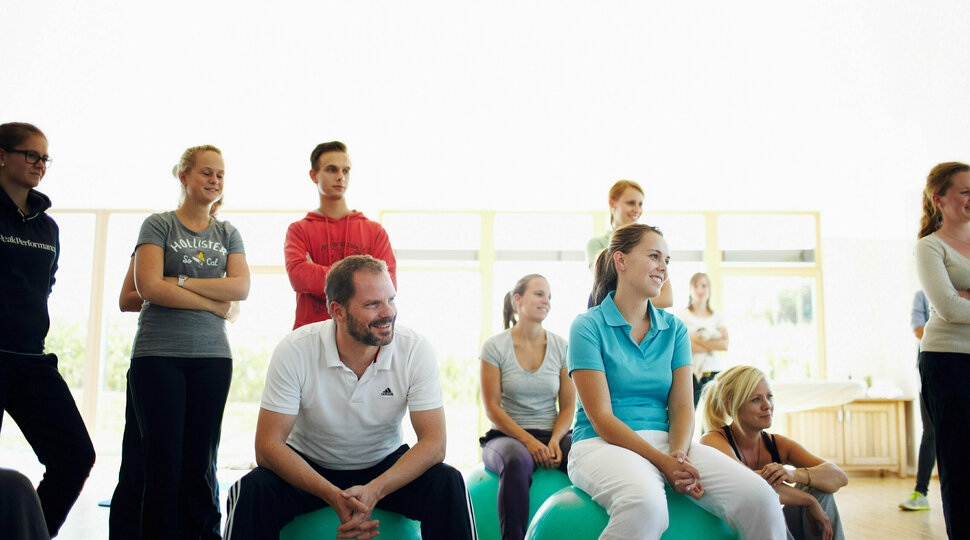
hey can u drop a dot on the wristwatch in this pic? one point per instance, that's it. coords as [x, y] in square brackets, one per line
[182, 278]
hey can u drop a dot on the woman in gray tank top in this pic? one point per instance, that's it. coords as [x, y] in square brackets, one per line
[523, 376]
[189, 268]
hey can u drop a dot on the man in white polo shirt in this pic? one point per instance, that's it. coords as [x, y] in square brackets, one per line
[329, 427]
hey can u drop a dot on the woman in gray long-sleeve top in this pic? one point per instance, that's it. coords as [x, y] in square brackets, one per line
[943, 266]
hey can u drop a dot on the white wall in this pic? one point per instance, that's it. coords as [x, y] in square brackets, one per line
[832, 106]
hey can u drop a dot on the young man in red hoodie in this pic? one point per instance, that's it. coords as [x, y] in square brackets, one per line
[328, 234]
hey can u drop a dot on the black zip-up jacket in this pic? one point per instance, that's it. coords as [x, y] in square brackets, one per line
[29, 249]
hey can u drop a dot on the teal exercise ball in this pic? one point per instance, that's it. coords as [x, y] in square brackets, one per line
[570, 513]
[687, 520]
[483, 490]
[323, 523]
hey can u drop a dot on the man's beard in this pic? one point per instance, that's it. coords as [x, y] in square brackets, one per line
[363, 333]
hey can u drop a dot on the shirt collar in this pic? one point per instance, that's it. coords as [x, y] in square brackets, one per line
[613, 317]
[328, 335]
[38, 202]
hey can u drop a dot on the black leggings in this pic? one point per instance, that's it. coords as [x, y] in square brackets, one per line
[944, 379]
[179, 403]
[124, 519]
[37, 398]
[927, 450]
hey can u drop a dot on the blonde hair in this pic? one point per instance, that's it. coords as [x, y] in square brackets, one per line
[187, 161]
[723, 397]
[939, 180]
[690, 299]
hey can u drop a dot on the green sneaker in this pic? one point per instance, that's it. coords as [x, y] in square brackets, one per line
[916, 501]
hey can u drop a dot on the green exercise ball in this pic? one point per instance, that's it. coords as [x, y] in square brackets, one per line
[323, 523]
[570, 513]
[483, 489]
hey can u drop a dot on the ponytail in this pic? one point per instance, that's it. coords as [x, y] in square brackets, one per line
[623, 240]
[931, 219]
[508, 312]
[937, 183]
[604, 278]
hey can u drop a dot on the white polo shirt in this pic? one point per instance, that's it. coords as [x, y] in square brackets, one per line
[344, 423]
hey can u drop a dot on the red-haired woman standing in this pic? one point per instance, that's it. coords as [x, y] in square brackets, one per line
[626, 207]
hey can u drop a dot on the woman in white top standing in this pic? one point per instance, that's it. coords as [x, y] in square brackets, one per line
[708, 334]
[943, 266]
[523, 377]
[626, 207]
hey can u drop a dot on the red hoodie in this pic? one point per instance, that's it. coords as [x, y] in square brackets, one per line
[327, 241]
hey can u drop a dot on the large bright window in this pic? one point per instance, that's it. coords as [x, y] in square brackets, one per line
[454, 269]
[764, 269]
[773, 324]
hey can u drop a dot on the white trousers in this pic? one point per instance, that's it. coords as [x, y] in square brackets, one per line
[631, 489]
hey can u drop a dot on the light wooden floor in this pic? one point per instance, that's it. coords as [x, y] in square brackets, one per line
[869, 510]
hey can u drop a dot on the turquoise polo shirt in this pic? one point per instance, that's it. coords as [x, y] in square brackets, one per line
[639, 374]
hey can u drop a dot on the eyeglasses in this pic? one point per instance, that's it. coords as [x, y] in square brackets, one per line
[32, 157]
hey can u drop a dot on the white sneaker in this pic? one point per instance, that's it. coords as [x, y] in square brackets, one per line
[916, 501]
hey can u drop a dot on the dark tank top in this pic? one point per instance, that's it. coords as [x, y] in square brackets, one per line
[769, 443]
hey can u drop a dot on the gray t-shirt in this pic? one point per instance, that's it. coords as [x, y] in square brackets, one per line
[185, 333]
[528, 397]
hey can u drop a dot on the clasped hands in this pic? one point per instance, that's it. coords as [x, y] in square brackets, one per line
[682, 474]
[354, 507]
[776, 474]
[546, 456]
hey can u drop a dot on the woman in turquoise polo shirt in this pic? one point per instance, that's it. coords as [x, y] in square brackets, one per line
[632, 367]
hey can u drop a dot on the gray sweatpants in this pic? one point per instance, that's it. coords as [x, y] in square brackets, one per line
[800, 527]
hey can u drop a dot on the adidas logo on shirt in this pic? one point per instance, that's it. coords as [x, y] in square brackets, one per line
[387, 392]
